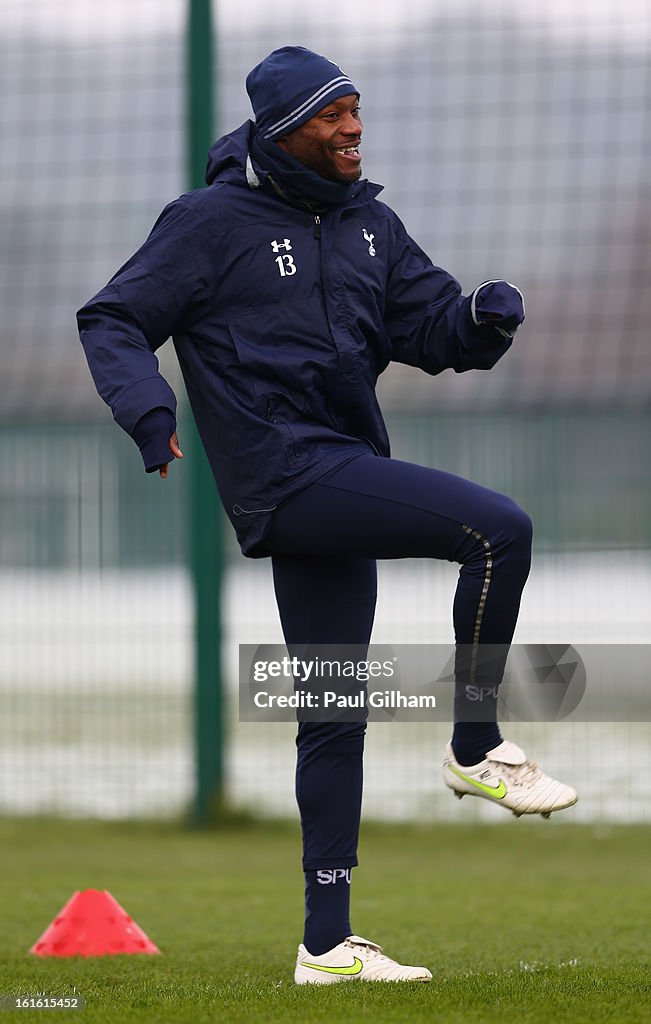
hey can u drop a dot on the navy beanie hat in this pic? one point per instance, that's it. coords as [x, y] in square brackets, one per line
[290, 86]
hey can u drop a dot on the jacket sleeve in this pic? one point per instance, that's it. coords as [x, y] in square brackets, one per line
[428, 321]
[148, 299]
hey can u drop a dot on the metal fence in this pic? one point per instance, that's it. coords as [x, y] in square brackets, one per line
[513, 142]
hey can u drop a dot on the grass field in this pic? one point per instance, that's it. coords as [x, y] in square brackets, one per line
[528, 922]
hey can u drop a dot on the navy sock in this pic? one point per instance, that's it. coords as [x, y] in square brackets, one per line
[327, 909]
[471, 741]
[478, 671]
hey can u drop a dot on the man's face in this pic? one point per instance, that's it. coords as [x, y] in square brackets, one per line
[328, 143]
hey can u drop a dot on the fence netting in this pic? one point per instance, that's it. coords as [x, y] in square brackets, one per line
[513, 141]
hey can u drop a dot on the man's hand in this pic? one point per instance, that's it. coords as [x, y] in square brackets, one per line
[498, 304]
[175, 450]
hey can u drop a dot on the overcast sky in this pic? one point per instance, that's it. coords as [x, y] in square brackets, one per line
[620, 22]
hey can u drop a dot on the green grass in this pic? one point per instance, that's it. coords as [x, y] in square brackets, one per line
[524, 922]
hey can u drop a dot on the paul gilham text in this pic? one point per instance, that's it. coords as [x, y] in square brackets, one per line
[332, 699]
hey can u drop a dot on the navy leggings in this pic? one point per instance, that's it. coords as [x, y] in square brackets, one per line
[324, 543]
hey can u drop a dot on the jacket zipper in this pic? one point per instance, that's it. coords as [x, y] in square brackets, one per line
[317, 226]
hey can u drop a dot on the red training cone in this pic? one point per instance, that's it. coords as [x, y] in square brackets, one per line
[92, 923]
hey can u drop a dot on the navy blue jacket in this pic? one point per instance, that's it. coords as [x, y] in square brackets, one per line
[282, 322]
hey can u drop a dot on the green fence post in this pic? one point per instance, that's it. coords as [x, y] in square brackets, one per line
[205, 517]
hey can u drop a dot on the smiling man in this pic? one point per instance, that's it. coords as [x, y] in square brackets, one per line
[329, 142]
[288, 287]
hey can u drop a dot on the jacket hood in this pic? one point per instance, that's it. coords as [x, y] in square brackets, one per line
[227, 156]
[229, 160]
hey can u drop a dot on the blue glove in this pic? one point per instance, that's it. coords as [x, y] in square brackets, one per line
[152, 434]
[498, 304]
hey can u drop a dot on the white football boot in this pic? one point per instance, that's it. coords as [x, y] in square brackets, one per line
[506, 777]
[354, 959]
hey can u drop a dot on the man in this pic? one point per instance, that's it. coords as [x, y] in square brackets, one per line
[288, 288]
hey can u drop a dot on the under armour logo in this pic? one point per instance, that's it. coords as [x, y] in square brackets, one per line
[369, 239]
[285, 244]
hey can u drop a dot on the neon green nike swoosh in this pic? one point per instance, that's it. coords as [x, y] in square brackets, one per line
[496, 792]
[353, 969]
